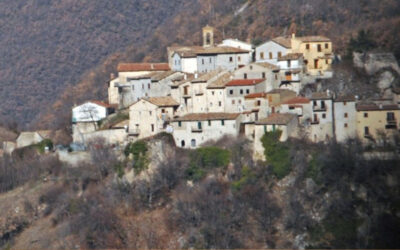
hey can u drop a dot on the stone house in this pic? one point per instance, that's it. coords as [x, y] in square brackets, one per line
[192, 130]
[345, 118]
[150, 116]
[299, 106]
[377, 123]
[29, 138]
[287, 123]
[237, 89]
[322, 116]
[271, 50]
[266, 71]
[278, 96]
[291, 71]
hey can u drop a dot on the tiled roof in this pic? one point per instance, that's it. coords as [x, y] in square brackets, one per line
[163, 101]
[267, 65]
[132, 67]
[281, 91]
[276, 119]
[290, 56]
[158, 76]
[103, 104]
[220, 82]
[244, 82]
[345, 98]
[256, 95]
[207, 76]
[320, 96]
[182, 81]
[297, 100]
[313, 39]
[376, 107]
[283, 41]
[208, 116]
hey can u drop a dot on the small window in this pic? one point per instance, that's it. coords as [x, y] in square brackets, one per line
[270, 55]
[231, 92]
[182, 143]
[247, 91]
[245, 76]
[307, 46]
[152, 127]
[223, 122]
[233, 101]
[239, 58]
[262, 55]
[142, 86]
[327, 61]
[344, 103]
[326, 45]
[251, 67]
[365, 115]
[230, 59]
[179, 124]
[240, 101]
[148, 85]
[288, 63]
[258, 103]
[345, 125]
[279, 54]
[202, 61]
[212, 92]
[150, 113]
[276, 76]
[366, 131]
[209, 122]
[263, 75]
[220, 103]
[319, 48]
[324, 115]
[163, 111]
[241, 91]
[193, 143]
[305, 62]
[345, 115]
[210, 60]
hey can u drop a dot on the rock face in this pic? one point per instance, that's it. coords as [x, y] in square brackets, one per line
[382, 68]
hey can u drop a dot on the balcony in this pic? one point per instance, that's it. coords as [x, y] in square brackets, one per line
[319, 108]
[197, 129]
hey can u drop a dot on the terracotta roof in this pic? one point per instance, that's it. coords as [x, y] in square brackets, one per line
[290, 56]
[244, 82]
[345, 98]
[376, 107]
[256, 95]
[277, 119]
[103, 104]
[313, 39]
[320, 96]
[132, 67]
[267, 65]
[283, 41]
[220, 82]
[297, 100]
[207, 116]
[163, 101]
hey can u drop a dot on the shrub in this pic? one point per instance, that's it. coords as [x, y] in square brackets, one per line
[139, 151]
[276, 153]
[314, 169]
[247, 177]
[206, 158]
[43, 144]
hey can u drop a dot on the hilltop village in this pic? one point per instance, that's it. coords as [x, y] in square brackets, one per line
[233, 88]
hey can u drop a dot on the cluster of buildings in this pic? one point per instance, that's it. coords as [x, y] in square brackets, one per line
[205, 92]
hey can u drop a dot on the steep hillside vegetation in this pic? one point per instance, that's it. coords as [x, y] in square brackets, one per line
[64, 51]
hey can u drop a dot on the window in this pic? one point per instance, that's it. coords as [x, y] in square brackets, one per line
[307, 46]
[193, 143]
[240, 101]
[251, 67]
[223, 122]
[179, 124]
[199, 125]
[202, 61]
[212, 92]
[247, 91]
[288, 63]
[324, 115]
[230, 59]
[142, 86]
[306, 62]
[345, 125]
[241, 91]
[322, 104]
[326, 45]
[262, 55]
[209, 122]
[276, 76]
[327, 61]
[148, 85]
[220, 103]
[231, 92]
[233, 101]
[163, 111]
[344, 103]
[314, 103]
[152, 127]
[279, 54]
[366, 131]
[258, 103]
[390, 116]
[365, 115]
[239, 58]
[270, 55]
[263, 75]
[150, 113]
[245, 76]
[319, 48]
[345, 115]
[182, 143]
[210, 60]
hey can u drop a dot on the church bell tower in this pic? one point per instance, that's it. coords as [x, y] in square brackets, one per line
[208, 36]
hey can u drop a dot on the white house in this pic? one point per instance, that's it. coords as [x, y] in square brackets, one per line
[192, 130]
[237, 89]
[291, 71]
[150, 116]
[322, 116]
[235, 43]
[270, 51]
[287, 123]
[266, 71]
[345, 118]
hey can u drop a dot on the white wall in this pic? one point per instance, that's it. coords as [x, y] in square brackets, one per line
[345, 127]
[88, 112]
[268, 47]
[189, 65]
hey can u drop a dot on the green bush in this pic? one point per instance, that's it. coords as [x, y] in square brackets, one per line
[314, 169]
[43, 144]
[247, 177]
[205, 158]
[276, 153]
[139, 151]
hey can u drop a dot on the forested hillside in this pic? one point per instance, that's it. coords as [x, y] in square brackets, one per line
[55, 54]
